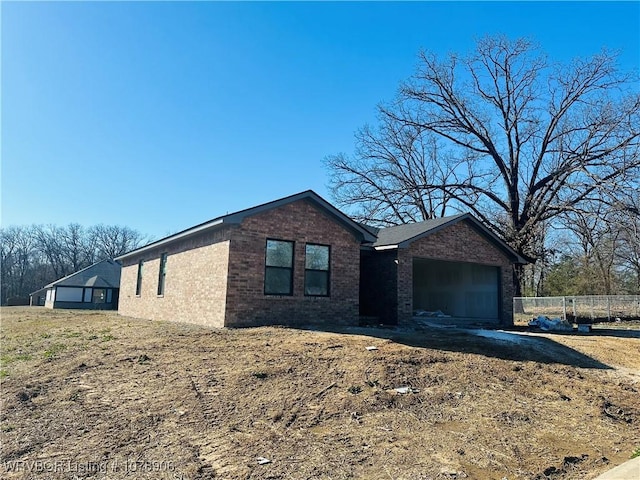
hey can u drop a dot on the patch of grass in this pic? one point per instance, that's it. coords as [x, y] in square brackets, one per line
[7, 359]
[636, 453]
[71, 334]
[4, 373]
[54, 350]
[45, 335]
[107, 338]
[354, 389]
[260, 375]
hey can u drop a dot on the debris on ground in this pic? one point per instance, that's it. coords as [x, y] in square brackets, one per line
[371, 348]
[263, 461]
[426, 313]
[551, 324]
[404, 390]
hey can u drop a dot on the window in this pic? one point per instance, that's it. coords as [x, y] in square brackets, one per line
[316, 273]
[69, 294]
[139, 280]
[278, 270]
[99, 295]
[162, 273]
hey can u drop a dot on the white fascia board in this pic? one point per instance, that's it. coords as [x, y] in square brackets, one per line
[386, 247]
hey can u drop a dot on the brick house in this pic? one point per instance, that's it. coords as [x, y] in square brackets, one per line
[299, 260]
[452, 268]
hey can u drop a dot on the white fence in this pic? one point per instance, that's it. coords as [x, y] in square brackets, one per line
[590, 308]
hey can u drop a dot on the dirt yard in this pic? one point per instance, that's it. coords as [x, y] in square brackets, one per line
[99, 396]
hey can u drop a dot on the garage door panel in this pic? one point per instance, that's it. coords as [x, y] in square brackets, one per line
[481, 305]
[456, 288]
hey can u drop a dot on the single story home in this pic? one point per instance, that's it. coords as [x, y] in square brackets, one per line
[37, 298]
[300, 260]
[95, 287]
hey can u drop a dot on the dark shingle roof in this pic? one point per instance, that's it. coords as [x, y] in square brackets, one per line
[405, 233]
[402, 236]
[235, 218]
[104, 274]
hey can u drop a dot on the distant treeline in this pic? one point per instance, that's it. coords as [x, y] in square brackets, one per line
[35, 255]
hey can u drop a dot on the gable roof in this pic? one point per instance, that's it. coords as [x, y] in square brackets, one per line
[237, 217]
[104, 274]
[401, 236]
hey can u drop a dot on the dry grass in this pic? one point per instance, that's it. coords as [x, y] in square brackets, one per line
[95, 395]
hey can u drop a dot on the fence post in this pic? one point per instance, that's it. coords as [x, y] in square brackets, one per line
[609, 307]
[564, 308]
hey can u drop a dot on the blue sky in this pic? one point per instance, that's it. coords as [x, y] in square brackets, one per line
[162, 115]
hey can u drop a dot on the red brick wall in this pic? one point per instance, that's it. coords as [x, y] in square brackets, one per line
[300, 222]
[217, 278]
[460, 243]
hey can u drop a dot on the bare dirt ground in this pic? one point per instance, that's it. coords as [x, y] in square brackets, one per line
[99, 396]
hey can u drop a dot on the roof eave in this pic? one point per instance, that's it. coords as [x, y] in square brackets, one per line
[492, 237]
[210, 225]
[237, 218]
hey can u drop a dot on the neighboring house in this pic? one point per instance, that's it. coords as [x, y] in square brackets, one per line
[299, 260]
[37, 298]
[96, 287]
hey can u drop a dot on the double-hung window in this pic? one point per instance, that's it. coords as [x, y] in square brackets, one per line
[316, 273]
[278, 271]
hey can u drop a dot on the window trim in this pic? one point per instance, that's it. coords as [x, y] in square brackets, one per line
[139, 279]
[327, 271]
[162, 273]
[267, 267]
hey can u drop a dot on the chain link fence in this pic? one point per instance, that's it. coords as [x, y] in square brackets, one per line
[578, 309]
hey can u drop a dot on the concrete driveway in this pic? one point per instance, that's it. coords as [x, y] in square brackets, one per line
[629, 470]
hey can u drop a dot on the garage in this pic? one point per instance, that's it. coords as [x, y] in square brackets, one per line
[460, 290]
[453, 265]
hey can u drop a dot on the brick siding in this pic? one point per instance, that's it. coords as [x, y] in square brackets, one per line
[301, 222]
[459, 242]
[217, 278]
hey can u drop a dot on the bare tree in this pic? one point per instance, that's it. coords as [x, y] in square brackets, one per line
[19, 264]
[529, 139]
[111, 241]
[627, 221]
[33, 256]
[597, 237]
[397, 175]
